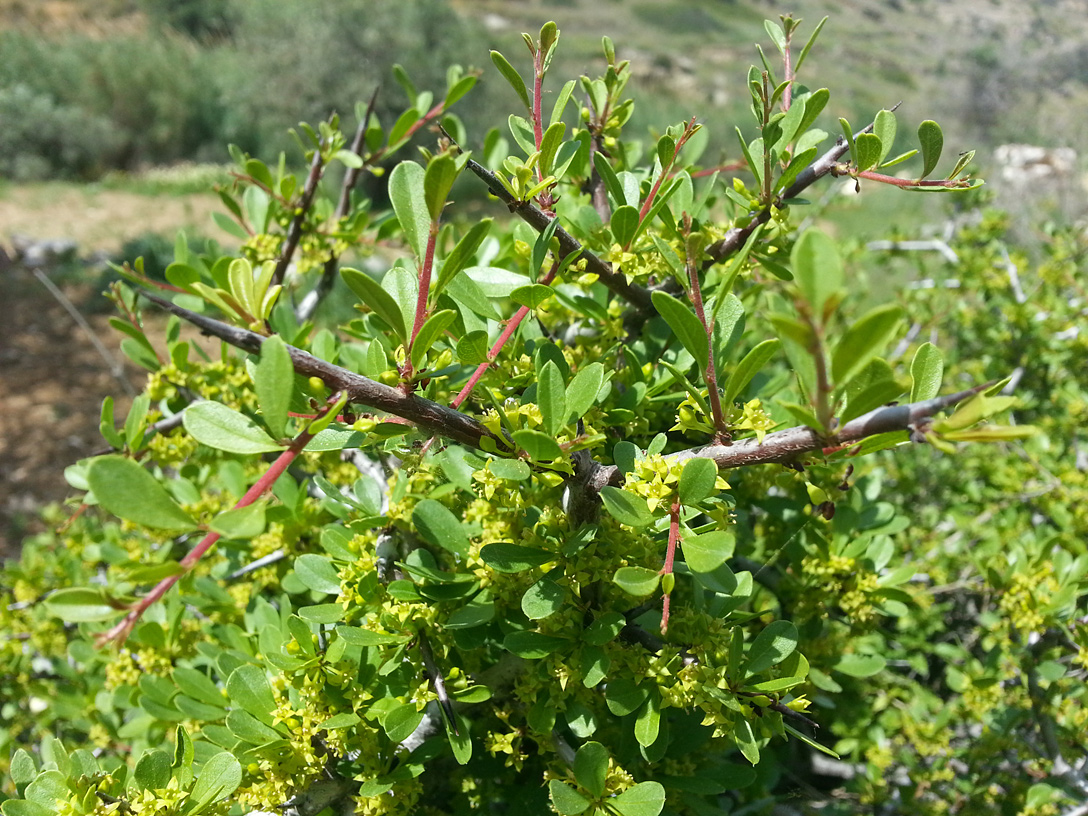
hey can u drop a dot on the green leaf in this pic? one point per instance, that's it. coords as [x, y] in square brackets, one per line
[462, 254]
[774, 644]
[591, 768]
[357, 636]
[860, 665]
[106, 425]
[626, 508]
[926, 372]
[697, 480]
[549, 145]
[532, 645]
[566, 800]
[817, 267]
[532, 295]
[685, 325]
[274, 381]
[79, 605]
[644, 799]
[624, 225]
[551, 397]
[863, 341]
[707, 552]
[542, 599]
[400, 722]
[648, 722]
[637, 581]
[746, 740]
[22, 769]
[583, 389]
[477, 612]
[513, 77]
[240, 522]
[249, 691]
[438, 526]
[153, 771]
[747, 368]
[219, 778]
[611, 181]
[379, 301]
[217, 426]
[410, 204]
[624, 696]
[539, 446]
[48, 790]
[317, 572]
[875, 385]
[511, 558]
[932, 142]
[867, 151]
[809, 740]
[429, 333]
[438, 179]
[472, 348]
[128, 491]
[514, 470]
[884, 127]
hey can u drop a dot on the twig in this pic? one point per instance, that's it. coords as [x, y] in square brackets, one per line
[422, 412]
[636, 295]
[294, 232]
[735, 238]
[314, 297]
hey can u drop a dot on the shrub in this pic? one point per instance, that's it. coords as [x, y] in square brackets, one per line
[624, 557]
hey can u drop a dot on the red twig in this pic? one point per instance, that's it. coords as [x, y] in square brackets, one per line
[119, 633]
[507, 333]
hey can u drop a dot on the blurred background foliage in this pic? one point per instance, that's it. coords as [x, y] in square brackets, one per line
[89, 86]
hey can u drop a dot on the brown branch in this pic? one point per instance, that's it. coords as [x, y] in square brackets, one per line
[428, 415]
[636, 295]
[313, 298]
[789, 444]
[824, 165]
[294, 231]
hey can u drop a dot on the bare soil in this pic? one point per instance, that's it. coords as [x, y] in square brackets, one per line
[52, 379]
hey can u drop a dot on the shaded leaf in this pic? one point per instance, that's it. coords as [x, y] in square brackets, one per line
[774, 644]
[440, 527]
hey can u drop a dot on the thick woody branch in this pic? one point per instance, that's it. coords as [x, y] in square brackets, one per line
[536, 218]
[789, 444]
[428, 415]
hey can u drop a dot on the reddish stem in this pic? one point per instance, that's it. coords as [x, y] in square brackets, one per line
[424, 283]
[665, 170]
[670, 557]
[538, 91]
[788, 59]
[898, 182]
[120, 632]
[507, 333]
[708, 327]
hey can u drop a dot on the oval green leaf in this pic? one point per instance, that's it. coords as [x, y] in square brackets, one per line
[217, 426]
[440, 527]
[128, 491]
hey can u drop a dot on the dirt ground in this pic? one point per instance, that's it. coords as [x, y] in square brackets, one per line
[52, 379]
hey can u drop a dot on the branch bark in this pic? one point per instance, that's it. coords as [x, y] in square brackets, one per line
[638, 296]
[426, 414]
[781, 446]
